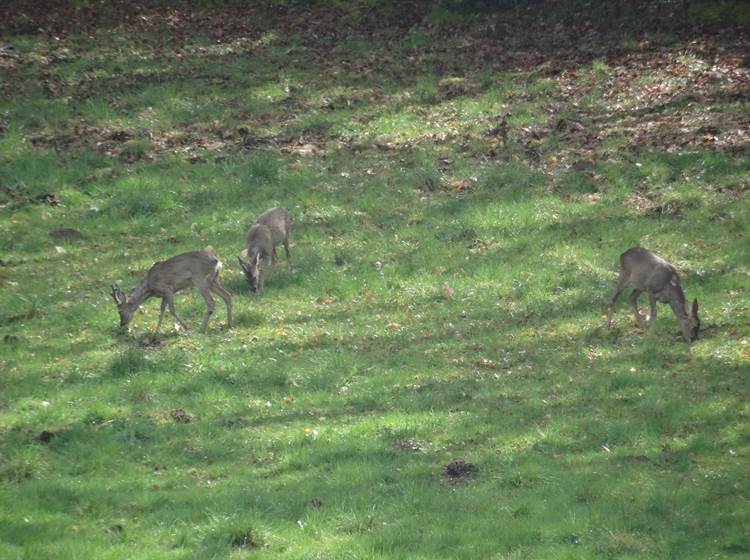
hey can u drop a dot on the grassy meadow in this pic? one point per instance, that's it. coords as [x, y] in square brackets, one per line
[433, 378]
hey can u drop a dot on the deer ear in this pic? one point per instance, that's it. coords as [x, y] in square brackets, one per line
[242, 264]
[117, 295]
[257, 259]
[694, 308]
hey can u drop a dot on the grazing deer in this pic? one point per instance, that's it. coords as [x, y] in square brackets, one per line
[199, 269]
[647, 272]
[272, 228]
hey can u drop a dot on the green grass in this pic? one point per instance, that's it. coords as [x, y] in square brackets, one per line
[447, 297]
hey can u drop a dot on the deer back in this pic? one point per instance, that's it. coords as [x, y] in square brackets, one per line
[650, 273]
[279, 222]
[259, 241]
[182, 271]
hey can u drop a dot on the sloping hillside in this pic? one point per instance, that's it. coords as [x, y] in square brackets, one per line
[434, 377]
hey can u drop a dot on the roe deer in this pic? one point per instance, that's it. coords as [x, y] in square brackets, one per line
[647, 272]
[199, 269]
[272, 228]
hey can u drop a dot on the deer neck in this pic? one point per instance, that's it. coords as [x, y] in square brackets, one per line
[678, 303]
[140, 294]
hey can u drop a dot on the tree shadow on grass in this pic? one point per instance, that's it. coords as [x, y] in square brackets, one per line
[568, 442]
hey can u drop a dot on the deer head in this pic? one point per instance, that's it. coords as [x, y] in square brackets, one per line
[252, 270]
[121, 300]
[690, 323]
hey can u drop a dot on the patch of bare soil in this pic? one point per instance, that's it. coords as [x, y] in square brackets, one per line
[46, 436]
[115, 529]
[458, 471]
[245, 539]
[181, 417]
[17, 195]
[407, 444]
[68, 234]
[315, 502]
[149, 341]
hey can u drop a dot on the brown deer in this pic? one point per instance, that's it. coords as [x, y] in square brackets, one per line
[198, 269]
[647, 272]
[272, 228]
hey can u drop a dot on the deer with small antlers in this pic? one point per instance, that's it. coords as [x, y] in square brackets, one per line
[648, 272]
[198, 269]
[271, 229]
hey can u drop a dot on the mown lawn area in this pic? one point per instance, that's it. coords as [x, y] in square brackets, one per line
[434, 377]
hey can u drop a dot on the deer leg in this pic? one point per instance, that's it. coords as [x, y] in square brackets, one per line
[161, 314]
[652, 318]
[288, 254]
[633, 299]
[274, 256]
[226, 296]
[170, 302]
[205, 291]
[622, 281]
